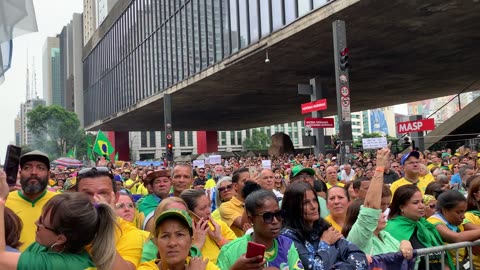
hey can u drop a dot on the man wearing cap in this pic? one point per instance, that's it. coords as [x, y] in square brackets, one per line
[159, 184]
[412, 169]
[28, 202]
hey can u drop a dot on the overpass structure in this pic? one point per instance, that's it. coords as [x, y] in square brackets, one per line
[210, 56]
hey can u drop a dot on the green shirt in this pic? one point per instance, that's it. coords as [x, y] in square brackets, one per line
[283, 254]
[362, 235]
[38, 257]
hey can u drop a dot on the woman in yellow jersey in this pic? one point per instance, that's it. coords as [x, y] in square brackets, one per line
[337, 203]
[69, 222]
[173, 235]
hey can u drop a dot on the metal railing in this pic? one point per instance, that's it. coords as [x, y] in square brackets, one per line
[427, 252]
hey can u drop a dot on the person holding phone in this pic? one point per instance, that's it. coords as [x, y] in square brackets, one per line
[267, 218]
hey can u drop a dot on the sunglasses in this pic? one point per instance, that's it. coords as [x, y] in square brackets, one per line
[268, 216]
[95, 169]
[40, 224]
[123, 205]
[222, 189]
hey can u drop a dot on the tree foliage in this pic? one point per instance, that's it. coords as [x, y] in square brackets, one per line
[258, 141]
[55, 130]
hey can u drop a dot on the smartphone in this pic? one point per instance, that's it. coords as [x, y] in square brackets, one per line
[254, 249]
[12, 162]
[196, 218]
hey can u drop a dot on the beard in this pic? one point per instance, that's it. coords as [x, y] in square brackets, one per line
[33, 188]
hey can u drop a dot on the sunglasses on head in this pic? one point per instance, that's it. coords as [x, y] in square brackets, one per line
[123, 205]
[95, 169]
[229, 187]
[268, 216]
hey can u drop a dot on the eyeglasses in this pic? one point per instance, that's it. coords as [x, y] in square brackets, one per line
[432, 206]
[268, 216]
[123, 205]
[40, 224]
[95, 169]
[278, 177]
[222, 189]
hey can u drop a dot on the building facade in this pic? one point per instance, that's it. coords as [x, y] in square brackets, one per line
[52, 83]
[26, 137]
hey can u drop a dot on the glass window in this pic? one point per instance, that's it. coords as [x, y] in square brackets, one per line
[303, 7]
[319, 3]
[226, 27]
[203, 34]
[265, 17]
[239, 137]
[243, 23]
[162, 138]
[191, 39]
[232, 138]
[182, 138]
[153, 141]
[290, 11]
[277, 14]
[143, 139]
[190, 138]
[217, 25]
[196, 31]
[234, 25]
[253, 14]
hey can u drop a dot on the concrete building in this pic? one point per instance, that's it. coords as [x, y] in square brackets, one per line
[71, 65]
[103, 7]
[18, 130]
[52, 84]
[89, 19]
[26, 137]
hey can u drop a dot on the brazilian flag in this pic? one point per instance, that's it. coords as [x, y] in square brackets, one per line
[102, 145]
[90, 154]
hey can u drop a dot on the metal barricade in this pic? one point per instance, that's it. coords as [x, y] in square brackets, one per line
[427, 252]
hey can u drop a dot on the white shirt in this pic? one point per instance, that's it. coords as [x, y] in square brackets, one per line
[345, 177]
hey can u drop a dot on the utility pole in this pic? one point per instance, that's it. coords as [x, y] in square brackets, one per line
[342, 80]
[167, 112]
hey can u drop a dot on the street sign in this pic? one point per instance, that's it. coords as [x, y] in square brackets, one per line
[317, 105]
[319, 122]
[416, 126]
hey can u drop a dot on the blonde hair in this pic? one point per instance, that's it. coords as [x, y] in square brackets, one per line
[162, 206]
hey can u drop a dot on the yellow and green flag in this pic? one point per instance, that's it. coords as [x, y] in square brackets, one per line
[90, 154]
[72, 153]
[102, 145]
[116, 156]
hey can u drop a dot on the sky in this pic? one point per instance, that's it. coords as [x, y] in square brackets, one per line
[52, 16]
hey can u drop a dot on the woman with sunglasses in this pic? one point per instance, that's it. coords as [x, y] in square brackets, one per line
[224, 193]
[68, 223]
[263, 212]
[210, 234]
[318, 244]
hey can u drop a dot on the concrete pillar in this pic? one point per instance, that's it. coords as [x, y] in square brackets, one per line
[207, 141]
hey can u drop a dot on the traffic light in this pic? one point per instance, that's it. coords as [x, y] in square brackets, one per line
[344, 59]
[169, 151]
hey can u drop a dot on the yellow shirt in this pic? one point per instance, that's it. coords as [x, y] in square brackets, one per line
[140, 189]
[28, 212]
[422, 184]
[210, 249]
[231, 210]
[129, 241]
[474, 219]
[335, 225]
[152, 265]
[339, 184]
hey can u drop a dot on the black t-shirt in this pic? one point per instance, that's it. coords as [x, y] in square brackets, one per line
[435, 259]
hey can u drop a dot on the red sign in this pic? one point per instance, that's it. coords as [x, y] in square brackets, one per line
[416, 126]
[318, 105]
[319, 122]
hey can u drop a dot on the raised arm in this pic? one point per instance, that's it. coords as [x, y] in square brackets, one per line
[374, 194]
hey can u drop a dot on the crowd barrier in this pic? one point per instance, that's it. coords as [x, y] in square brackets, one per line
[457, 246]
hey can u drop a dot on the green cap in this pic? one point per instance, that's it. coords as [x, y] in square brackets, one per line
[181, 214]
[299, 169]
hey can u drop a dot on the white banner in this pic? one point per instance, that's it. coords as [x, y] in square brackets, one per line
[199, 163]
[374, 143]
[215, 159]
[267, 164]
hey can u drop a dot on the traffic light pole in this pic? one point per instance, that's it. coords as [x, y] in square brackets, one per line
[167, 112]
[342, 79]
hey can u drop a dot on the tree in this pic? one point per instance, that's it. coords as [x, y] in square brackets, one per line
[56, 130]
[258, 141]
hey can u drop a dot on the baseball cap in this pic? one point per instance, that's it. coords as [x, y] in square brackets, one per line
[177, 213]
[35, 156]
[126, 171]
[118, 178]
[407, 155]
[334, 158]
[299, 169]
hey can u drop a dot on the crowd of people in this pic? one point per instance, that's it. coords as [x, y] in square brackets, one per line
[307, 211]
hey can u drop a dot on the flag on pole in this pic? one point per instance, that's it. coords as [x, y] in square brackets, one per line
[102, 145]
[72, 153]
[90, 154]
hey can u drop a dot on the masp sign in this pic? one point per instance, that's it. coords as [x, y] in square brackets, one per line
[317, 105]
[319, 122]
[416, 126]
